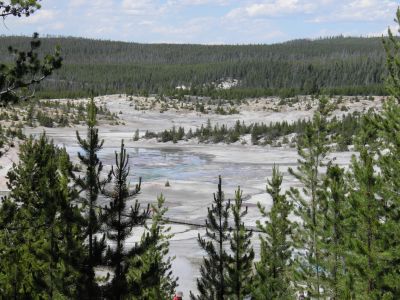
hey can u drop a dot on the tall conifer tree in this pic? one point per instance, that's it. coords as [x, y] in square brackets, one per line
[91, 184]
[367, 219]
[389, 132]
[119, 222]
[335, 235]
[312, 149]
[392, 48]
[212, 283]
[240, 261]
[43, 246]
[273, 271]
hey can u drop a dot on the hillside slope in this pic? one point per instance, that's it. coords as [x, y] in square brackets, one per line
[338, 65]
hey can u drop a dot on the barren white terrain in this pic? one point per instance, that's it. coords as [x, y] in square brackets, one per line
[192, 169]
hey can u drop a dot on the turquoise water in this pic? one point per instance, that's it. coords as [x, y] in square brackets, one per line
[153, 164]
[177, 164]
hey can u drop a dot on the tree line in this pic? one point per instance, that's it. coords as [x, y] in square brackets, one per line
[342, 131]
[335, 65]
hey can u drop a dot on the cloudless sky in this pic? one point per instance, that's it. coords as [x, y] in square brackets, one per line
[207, 21]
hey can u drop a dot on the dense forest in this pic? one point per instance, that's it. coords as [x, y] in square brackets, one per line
[337, 65]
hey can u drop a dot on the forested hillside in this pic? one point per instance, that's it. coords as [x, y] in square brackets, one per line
[335, 65]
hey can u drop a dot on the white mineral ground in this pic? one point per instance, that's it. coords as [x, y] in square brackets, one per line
[192, 169]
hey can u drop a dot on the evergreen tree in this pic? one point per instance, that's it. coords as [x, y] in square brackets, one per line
[368, 250]
[42, 253]
[18, 8]
[212, 283]
[240, 261]
[392, 48]
[27, 70]
[149, 275]
[382, 248]
[18, 79]
[91, 184]
[312, 150]
[273, 271]
[335, 235]
[119, 222]
[388, 126]
[136, 136]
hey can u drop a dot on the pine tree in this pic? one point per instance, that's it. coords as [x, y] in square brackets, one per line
[388, 126]
[27, 70]
[312, 150]
[42, 226]
[212, 283]
[392, 48]
[136, 136]
[335, 235]
[240, 261]
[367, 258]
[119, 223]
[273, 271]
[91, 184]
[149, 275]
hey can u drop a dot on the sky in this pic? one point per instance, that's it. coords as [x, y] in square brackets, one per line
[207, 21]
